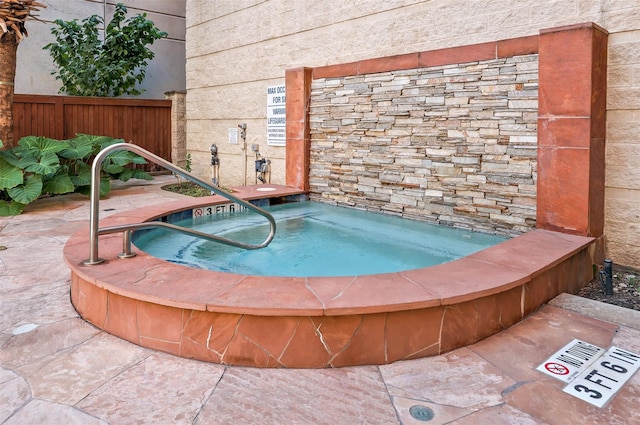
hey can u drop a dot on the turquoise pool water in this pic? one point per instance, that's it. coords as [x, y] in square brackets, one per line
[314, 239]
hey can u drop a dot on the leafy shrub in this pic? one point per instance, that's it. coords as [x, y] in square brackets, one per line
[40, 166]
[113, 65]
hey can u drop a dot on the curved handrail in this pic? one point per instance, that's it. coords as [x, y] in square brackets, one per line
[94, 230]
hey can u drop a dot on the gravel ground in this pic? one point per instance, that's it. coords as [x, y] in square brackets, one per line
[626, 288]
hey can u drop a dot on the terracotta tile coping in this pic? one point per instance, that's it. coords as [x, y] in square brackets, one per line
[494, 270]
[468, 53]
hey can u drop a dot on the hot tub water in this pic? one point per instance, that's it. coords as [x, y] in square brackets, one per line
[314, 239]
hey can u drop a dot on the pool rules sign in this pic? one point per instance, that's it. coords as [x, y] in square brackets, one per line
[592, 374]
[276, 116]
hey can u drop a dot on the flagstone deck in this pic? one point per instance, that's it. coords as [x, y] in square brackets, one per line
[57, 368]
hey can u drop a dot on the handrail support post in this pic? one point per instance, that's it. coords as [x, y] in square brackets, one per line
[127, 229]
[126, 245]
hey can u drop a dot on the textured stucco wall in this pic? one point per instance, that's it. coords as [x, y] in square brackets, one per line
[622, 173]
[165, 73]
[235, 50]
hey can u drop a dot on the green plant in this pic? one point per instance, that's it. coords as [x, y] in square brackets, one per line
[187, 163]
[187, 168]
[89, 66]
[192, 189]
[40, 166]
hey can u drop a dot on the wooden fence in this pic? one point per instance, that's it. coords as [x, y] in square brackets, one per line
[146, 123]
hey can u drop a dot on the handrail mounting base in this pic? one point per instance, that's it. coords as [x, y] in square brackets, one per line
[93, 262]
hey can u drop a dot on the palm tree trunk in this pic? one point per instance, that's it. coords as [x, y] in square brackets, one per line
[8, 48]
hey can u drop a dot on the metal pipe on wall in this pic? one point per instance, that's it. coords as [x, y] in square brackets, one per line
[243, 136]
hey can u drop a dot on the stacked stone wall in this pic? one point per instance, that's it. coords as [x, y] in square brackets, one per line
[454, 145]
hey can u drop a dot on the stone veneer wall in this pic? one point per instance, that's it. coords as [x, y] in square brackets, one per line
[453, 144]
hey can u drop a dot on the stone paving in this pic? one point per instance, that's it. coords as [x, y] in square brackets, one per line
[57, 369]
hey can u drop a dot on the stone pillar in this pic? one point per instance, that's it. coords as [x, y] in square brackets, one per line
[298, 84]
[571, 129]
[178, 127]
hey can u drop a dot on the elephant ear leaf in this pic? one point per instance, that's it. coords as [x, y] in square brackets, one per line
[82, 177]
[48, 164]
[59, 184]
[51, 145]
[141, 175]
[10, 176]
[105, 187]
[136, 159]
[27, 192]
[10, 208]
[132, 173]
[42, 145]
[77, 149]
[98, 142]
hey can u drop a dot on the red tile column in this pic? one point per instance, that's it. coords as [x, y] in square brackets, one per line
[298, 86]
[571, 129]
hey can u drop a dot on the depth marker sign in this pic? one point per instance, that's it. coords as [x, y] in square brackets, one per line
[567, 363]
[217, 209]
[592, 374]
[604, 379]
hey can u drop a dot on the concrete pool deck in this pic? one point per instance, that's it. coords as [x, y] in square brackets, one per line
[57, 368]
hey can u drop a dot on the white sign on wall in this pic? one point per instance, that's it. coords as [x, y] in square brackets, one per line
[233, 136]
[276, 116]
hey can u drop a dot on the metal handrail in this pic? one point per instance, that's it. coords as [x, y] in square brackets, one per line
[94, 231]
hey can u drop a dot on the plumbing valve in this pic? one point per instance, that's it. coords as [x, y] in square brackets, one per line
[261, 165]
[606, 277]
[243, 130]
[214, 155]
